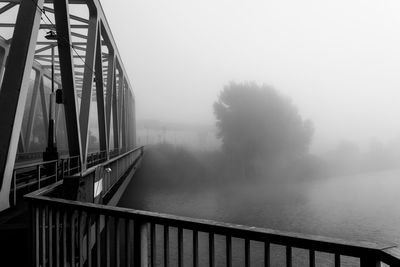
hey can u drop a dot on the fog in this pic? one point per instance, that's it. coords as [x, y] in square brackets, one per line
[335, 65]
[337, 60]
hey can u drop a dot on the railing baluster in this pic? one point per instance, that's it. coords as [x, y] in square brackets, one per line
[247, 252]
[117, 245]
[312, 258]
[37, 236]
[153, 244]
[228, 251]
[44, 247]
[32, 240]
[57, 240]
[98, 240]
[56, 163]
[180, 247]
[267, 258]
[80, 238]
[88, 238]
[288, 256]
[69, 166]
[64, 237]
[50, 234]
[195, 248]
[211, 251]
[62, 169]
[140, 247]
[38, 175]
[15, 187]
[128, 247]
[72, 238]
[108, 233]
[166, 246]
[337, 260]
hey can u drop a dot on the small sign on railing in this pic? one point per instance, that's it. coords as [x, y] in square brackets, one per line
[98, 187]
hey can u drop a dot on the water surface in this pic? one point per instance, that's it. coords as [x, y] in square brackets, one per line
[362, 207]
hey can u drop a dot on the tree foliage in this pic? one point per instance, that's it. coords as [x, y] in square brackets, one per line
[257, 122]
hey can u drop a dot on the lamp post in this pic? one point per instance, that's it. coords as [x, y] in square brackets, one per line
[51, 152]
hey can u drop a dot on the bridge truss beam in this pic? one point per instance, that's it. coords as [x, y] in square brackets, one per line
[87, 66]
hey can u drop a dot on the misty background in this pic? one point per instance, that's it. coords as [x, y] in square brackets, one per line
[336, 60]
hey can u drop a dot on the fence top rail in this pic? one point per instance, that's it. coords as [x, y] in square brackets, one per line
[123, 155]
[41, 163]
[34, 164]
[385, 252]
[93, 168]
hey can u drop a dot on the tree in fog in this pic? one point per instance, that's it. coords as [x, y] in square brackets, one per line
[256, 122]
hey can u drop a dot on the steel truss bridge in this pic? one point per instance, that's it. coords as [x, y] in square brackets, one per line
[62, 50]
[67, 148]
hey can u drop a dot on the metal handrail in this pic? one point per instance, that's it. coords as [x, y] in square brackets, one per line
[370, 254]
[92, 169]
[34, 164]
[58, 172]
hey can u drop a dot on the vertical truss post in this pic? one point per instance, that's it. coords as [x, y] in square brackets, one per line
[120, 105]
[110, 91]
[115, 112]
[14, 90]
[44, 108]
[134, 119]
[61, 14]
[100, 96]
[128, 118]
[123, 117]
[32, 110]
[3, 56]
[132, 125]
[87, 86]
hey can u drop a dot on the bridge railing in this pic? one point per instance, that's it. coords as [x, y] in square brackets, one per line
[115, 168]
[32, 176]
[70, 232]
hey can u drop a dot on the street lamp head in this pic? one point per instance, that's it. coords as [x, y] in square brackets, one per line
[51, 35]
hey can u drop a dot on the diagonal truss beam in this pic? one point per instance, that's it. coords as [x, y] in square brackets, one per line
[100, 96]
[48, 9]
[87, 86]
[32, 110]
[14, 91]
[67, 77]
[7, 7]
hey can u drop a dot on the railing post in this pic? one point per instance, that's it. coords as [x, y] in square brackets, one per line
[62, 169]
[369, 261]
[32, 234]
[38, 172]
[56, 163]
[68, 166]
[15, 187]
[140, 244]
[117, 171]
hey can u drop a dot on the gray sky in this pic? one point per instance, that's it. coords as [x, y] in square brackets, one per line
[339, 61]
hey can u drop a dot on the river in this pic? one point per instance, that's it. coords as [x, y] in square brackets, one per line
[362, 207]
